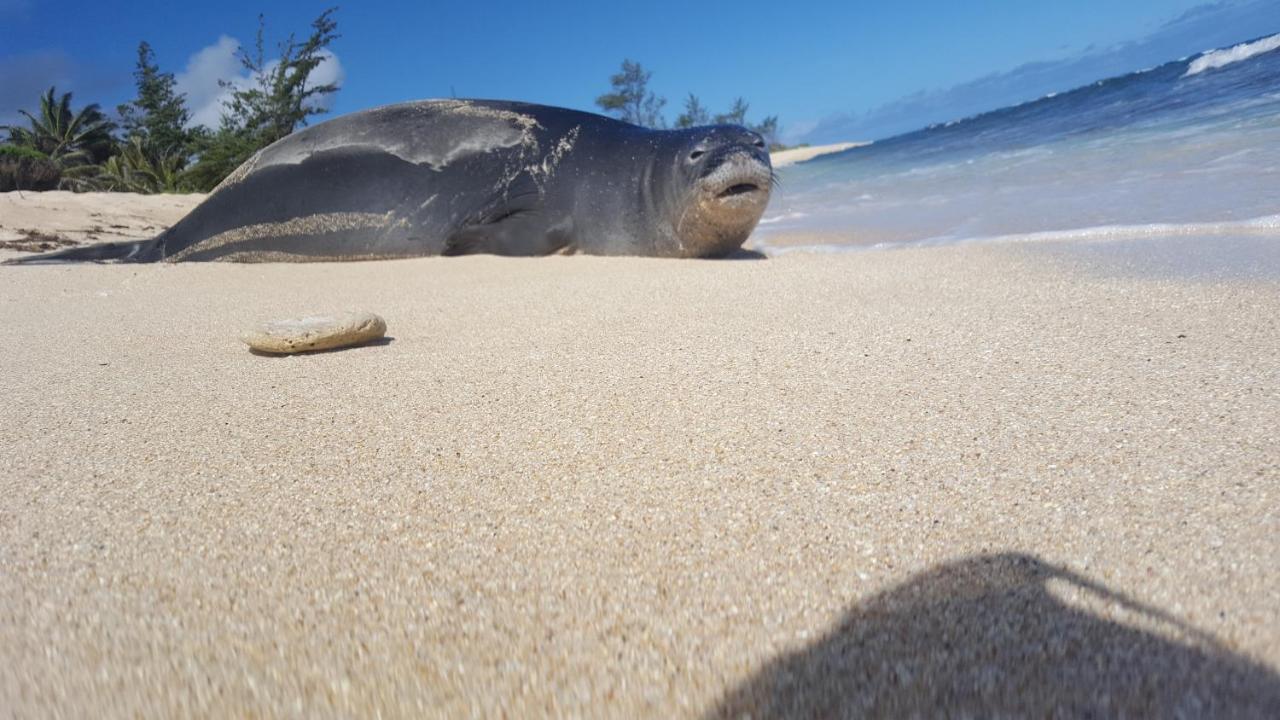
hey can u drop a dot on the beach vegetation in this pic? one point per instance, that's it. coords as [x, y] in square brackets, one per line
[282, 98]
[220, 153]
[279, 100]
[25, 168]
[630, 100]
[633, 102]
[17, 151]
[158, 143]
[158, 117]
[694, 114]
[68, 138]
[737, 114]
[143, 169]
[159, 149]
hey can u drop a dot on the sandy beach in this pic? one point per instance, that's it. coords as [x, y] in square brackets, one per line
[783, 158]
[977, 478]
[86, 217]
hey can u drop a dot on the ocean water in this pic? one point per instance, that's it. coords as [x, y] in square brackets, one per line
[1189, 150]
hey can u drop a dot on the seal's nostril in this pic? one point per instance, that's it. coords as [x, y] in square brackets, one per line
[697, 154]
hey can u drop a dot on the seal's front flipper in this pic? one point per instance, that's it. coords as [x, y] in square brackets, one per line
[510, 224]
[141, 251]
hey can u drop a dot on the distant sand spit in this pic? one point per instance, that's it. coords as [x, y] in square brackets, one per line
[783, 158]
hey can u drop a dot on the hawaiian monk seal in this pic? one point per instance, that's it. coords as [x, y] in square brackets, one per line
[452, 177]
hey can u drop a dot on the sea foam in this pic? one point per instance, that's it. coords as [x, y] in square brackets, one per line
[1267, 226]
[1221, 58]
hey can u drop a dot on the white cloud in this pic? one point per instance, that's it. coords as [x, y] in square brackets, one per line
[329, 70]
[200, 80]
[219, 62]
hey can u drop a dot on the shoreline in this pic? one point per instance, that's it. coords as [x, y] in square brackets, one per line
[43, 221]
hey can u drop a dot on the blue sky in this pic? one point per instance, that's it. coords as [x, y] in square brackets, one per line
[830, 70]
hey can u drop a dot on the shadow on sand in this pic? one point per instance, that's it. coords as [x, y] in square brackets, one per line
[744, 254]
[987, 637]
[379, 342]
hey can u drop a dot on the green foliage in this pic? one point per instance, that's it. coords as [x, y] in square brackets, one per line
[767, 128]
[66, 137]
[17, 151]
[81, 178]
[138, 168]
[632, 102]
[220, 152]
[694, 113]
[631, 99]
[279, 101]
[24, 168]
[76, 149]
[737, 114]
[159, 115]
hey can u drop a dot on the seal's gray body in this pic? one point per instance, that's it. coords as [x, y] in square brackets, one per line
[447, 177]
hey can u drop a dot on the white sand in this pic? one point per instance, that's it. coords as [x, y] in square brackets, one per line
[91, 217]
[810, 485]
[783, 158]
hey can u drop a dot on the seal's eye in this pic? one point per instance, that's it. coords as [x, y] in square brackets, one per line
[697, 154]
[759, 144]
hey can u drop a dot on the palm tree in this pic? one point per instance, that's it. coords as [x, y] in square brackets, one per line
[135, 169]
[67, 138]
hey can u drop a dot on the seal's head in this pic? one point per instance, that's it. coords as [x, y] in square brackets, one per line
[726, 179]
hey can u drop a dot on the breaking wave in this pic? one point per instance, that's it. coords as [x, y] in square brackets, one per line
[1215, 59]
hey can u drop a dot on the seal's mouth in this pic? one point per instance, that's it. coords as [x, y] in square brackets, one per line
[738, 179]
[745, 188]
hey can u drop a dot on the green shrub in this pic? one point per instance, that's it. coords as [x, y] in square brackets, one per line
[18, 151]
[23, 168]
